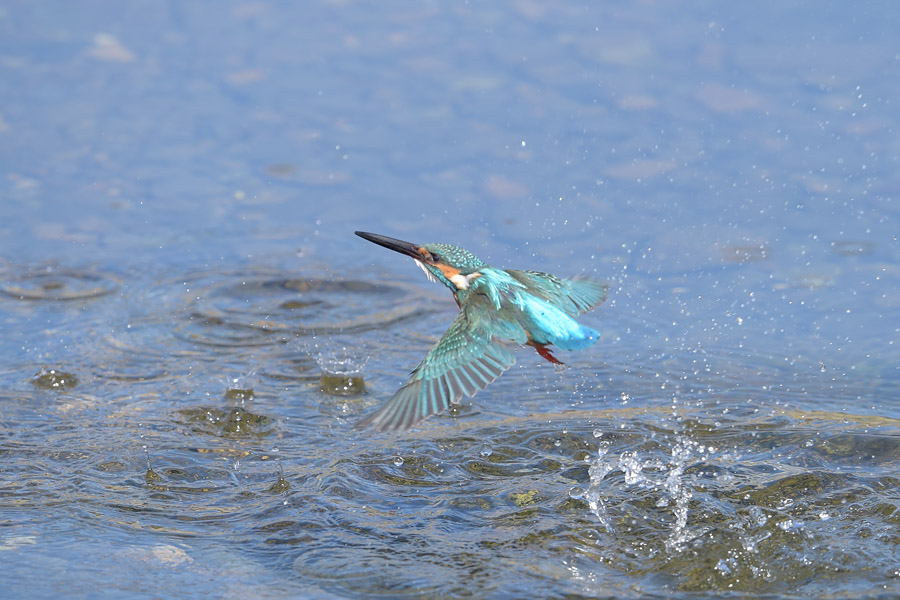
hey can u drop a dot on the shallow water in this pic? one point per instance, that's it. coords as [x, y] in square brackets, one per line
[190, 329]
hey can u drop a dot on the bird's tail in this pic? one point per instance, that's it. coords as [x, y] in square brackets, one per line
[582, 338]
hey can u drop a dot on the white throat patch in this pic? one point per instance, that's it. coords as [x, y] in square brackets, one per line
[462, 281]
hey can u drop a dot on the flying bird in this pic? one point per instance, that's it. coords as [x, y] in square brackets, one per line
[497, 308]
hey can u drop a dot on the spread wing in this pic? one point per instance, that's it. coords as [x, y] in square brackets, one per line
[572, 296]
[466, 359]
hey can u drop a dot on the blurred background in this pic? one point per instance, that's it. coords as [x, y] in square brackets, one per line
[179, 186]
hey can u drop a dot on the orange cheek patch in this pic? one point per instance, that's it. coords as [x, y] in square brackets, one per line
[448, 271]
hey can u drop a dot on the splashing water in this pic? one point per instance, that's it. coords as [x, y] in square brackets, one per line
[341, 362]
[666, 478]
[599, 469]
[239, 388]
[337, 356]
[681, 493]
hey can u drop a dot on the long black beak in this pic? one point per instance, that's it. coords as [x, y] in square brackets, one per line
[392, 244]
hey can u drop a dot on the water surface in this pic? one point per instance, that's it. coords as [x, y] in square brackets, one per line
[178, 271]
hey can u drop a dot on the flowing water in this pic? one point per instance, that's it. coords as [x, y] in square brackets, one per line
[190, 329]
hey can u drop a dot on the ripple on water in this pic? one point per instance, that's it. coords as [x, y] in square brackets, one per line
[741, 493]
[745, 505]
[257, 312]
[57, 284]
[360, 568]
[235, 422]
[140, 351]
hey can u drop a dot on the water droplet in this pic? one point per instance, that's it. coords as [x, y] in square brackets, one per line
[398, 461]
[758, 515]
[486, 449]
[631, 466]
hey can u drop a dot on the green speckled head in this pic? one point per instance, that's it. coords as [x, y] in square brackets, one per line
[451, 265]
[456, 257]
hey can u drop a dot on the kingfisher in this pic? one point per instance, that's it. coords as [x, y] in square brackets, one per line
[498, 308]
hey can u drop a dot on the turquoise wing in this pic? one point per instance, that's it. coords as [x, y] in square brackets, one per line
[572, 296]
[465, 360]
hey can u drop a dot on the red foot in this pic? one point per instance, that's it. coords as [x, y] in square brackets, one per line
[545, 352]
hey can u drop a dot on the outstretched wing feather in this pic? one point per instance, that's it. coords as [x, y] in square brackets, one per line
[572, 296]
[465, 360]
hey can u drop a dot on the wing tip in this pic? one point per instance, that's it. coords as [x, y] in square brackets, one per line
[590, 293]
[379, 420]
[404, 410]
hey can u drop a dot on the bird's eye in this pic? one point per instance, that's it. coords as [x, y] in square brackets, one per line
[435, 257]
